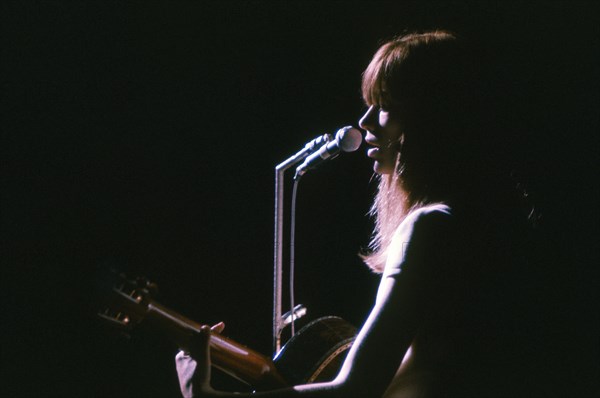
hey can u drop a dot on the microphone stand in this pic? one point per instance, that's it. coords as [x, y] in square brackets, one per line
[279, 321]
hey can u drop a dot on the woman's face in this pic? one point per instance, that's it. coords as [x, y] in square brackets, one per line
[383, 134]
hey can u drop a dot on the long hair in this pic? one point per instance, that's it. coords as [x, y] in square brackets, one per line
[433, 78]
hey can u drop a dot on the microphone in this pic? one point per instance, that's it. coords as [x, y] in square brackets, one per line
[347, 139]
[312, 146]
[308, 148]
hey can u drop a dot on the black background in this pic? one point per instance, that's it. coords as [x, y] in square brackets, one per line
[144, 136]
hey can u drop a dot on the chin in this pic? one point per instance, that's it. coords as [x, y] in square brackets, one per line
[382, 169]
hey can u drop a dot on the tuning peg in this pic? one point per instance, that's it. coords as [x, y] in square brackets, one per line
[146, 285]
[120, 327]
[118, 319]
[152, 287]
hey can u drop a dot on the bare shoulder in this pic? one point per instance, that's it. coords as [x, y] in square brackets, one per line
[433, 210]
[420, 232]
[424, 218]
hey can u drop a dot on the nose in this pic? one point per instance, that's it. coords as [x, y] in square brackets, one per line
[368, 120]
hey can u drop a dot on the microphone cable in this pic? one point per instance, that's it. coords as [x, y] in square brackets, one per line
[292, 253]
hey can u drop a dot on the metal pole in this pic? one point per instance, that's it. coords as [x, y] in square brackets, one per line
[278, 322]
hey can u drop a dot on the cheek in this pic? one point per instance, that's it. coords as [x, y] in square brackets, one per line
[391, 127]
[395, 131]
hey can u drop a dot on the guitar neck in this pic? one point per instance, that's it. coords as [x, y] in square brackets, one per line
[229, 356]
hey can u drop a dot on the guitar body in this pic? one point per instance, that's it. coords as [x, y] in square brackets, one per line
[316, 352]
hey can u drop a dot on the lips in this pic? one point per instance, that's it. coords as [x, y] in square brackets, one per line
[371, 139]
[373, 153]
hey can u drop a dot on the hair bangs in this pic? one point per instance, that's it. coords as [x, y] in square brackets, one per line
[376, 83]
[375, 77]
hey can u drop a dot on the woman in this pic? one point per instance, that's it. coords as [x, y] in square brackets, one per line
[440, 240]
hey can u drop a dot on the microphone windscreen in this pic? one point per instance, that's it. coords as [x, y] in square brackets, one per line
[348, 138]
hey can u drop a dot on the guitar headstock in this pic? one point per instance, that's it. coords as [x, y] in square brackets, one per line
[126, 303]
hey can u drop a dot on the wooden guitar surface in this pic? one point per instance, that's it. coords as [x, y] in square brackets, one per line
[315, 353]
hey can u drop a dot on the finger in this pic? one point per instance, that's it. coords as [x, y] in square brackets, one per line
[218, 328]
[203, 337]
[202, 373]
[198, 346]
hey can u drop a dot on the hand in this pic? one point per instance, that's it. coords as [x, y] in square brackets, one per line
[194, 372]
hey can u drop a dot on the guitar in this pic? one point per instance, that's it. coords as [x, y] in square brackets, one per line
[315, 353]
